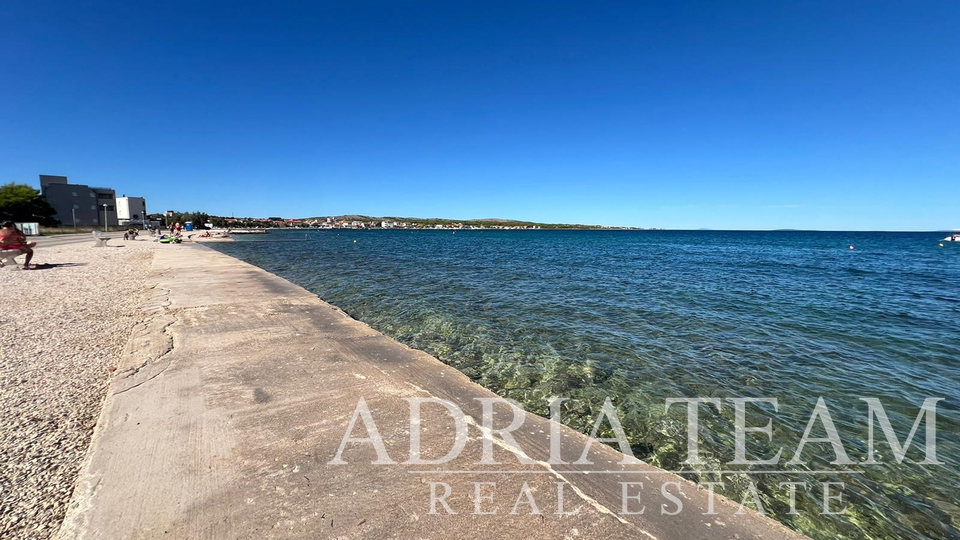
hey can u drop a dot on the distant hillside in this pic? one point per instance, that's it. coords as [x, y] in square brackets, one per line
[485, 222]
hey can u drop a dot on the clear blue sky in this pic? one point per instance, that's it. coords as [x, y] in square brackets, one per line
[828, 115]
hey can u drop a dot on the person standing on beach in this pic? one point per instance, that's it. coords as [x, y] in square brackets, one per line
[13, 238]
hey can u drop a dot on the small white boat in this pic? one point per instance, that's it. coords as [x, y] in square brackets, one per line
[955, 237]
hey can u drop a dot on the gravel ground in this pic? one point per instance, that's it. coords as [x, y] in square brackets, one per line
[62, 330]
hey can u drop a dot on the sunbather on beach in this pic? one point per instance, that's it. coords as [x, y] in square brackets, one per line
[13, 238]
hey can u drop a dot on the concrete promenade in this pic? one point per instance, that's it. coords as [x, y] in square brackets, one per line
[236, 391]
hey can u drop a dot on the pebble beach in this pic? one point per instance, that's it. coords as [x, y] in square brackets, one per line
[64, 327]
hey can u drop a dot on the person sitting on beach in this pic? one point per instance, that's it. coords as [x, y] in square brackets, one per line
[13, 238]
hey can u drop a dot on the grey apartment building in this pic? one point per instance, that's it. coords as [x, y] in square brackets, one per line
[77, 203]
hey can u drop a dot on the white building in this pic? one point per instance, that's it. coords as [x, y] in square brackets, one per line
[131, 210]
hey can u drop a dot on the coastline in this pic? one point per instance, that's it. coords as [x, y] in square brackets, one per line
[234, 392]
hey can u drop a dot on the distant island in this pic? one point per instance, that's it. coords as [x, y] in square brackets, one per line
[203, 220]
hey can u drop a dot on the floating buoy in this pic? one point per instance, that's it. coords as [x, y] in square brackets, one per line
[850, 247]
[941, 245]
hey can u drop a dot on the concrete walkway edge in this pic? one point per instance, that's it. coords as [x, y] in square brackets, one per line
[235, 393]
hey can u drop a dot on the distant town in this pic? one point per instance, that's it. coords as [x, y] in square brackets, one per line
[62, 204]
[368, 222]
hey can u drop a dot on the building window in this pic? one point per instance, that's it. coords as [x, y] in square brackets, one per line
[104, 196]
[92, 194]
[93, 207]
[110, 208]
[76, 207]
[74, 193]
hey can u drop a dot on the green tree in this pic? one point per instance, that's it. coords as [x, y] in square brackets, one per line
[22, 203]
[199, 219]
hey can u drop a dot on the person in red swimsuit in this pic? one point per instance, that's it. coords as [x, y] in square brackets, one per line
[12, 238]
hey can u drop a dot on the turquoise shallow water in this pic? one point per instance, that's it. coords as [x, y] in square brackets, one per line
[641, 316]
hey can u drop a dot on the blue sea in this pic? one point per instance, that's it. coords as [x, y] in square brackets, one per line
[640, 316]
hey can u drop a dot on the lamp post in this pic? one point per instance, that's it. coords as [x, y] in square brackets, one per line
[74, 212]
[104, 218]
